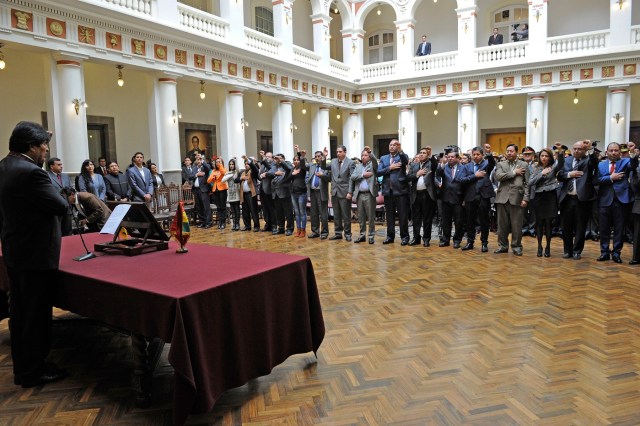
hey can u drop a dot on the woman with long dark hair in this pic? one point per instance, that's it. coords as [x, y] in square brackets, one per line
[89, 181]
[156, 178]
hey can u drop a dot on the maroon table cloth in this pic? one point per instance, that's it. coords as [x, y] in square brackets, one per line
[230, 315]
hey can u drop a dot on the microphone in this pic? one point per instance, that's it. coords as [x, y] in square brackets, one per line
[88, 255]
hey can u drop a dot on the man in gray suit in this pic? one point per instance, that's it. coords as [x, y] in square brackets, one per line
[341, 169]
[511, 200]
[318, 179]
[363, 187]
[140, 179]
[60, 181]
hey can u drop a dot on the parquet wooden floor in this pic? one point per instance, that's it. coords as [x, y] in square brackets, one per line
[415, 336]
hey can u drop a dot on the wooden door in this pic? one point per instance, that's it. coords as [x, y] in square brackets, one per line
[499, 141]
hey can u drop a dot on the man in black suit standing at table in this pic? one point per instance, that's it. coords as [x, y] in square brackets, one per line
[30, 231]
[424, 48]
[495, 38]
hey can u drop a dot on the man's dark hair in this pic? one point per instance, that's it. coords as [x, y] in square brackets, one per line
[27, 134]
[110, 163]
[514, 146]
[102, 158]
[52, 161]
[342, 147]
[67, 190]
[477, 149]
[318, 152]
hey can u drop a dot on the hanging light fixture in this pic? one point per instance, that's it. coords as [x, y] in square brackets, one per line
[575, 96]
[202, 94]
[259, 99]
[435, 109]
[2, 63]
[304, 108]
[379, 115]
[500, 103]
[379, 12]
[338, 114]
[120, 79]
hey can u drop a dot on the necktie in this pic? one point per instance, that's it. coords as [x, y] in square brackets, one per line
[475, 168]
[60, 179]
[612, 167]
[339, 166]
[316, 181]
[572, 182]
[453, 173]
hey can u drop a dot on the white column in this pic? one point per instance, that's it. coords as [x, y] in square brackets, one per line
[282, 119]
[232, 11]
[164, 128]
[283, 25]
[537, 122]
[620, 22]
[353, 133]
[407, 133]
[319, 128]
[618, 110]
[405, 38]
[70, 137]
[467, 125]
[321, 44]
[165, 10]
[233, 127]
[352, 51]
[538, 13]
[467, 18]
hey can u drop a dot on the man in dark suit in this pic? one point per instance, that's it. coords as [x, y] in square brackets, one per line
[59, 181]
[117, 184]
[424, 48]
[280, 177]
[451, 191]
[201, 189]
[317, 181]
[266, 197]
[422, 196]
[30, 234]
[102, 168]
[395, 189]
[576, 196]
[363, 189]
[478, 192]
[92, 209]
[140, 179]
[635, 186]
[614, 197]
[341, 169]
[495, 38]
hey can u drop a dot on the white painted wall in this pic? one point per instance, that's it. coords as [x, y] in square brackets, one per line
[439, 22]
[634, 92]
[303, 29]
[570, 123]
[566, 18]
[513, 113]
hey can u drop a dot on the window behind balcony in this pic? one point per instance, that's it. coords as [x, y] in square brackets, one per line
[264, 20]
[204, 5]
[509, 19]
[381, 47]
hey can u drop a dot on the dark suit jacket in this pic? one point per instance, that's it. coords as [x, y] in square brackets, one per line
[394, 182]
[429, 179]
[635, 186]
[474, 186]
[139, 187]
[66, 183]
[29, 215]
[452, 189]
[497, 40]
[427, 49]
[95, 210]
[117, 186]
[584, 184]
[280, 184]
[324, 180]
[203, 185]
[155, 182]
[607, 189]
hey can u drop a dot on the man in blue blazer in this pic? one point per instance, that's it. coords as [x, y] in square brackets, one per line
[140, 179]
[614, 197]
[60, 181]
[451, 178]
[395, 189]
[424, 48]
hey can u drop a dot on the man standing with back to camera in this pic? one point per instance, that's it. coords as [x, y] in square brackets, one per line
[31, 238]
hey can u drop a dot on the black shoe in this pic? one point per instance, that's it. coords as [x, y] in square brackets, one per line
[565, 255]
[517, 252]
[547, 252]
[456, 244]
[414, 242]
[577, 255]
[616, 258]
[468, 246]
[222, 225]
[539, 254]
[404, 242]
[371, 240]
[50, 375]
[314, 235]
[603, 257]
[202, 225]
[323, 237]
[485, 248]
[426, 243]
[348, 238]
[501, 250]
[388, 240]
[360, 239]
[256, 229]
[288, 232]
[207, 226]
[266, 229]
[634, 262]
[279, 232]
[443, 244]
[335, 237]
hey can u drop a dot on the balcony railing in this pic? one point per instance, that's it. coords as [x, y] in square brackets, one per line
[635, 34]
[578, 43]
[138, 6]
[339, 69]
[198, 20]
[262, 42]
[439, 61]
[382, 69]
[306, 57]
[496, 55]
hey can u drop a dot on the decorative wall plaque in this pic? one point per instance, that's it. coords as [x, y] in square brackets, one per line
[56, 28]
[411, 92]
[630, 69]
[323, 91]
[426, 91]
[314, 89]
[180, 57]
[216, 65]
[284, 82]
[294, 84]
[305, 86]
[441, 89]
[260, 76]
[339, 95]
[86, 35]
[456, 87]
[246, 73]
[383, 96]
[527, 80]
[546, 78]
[508, 82]
[160, 52]
[331, 93]
[397, 94]
[138, 47]
[371, 97]
[474, 85]
[586, 74]
[608, 71]
[198, 61]
[490, 83]
[232, 69]
[21, 20]
[273, 79]
[114, 41]
[566, 75]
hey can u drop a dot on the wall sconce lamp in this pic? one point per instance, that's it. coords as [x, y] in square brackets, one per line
[353, 47]
[435, 109]
[575, 97]
[401, 130]
[176, 115]
[259, 99]
[403, 38]
[466, 27]
[202, 94]
[464, 127]
[329, 131]
[243, 123]
[338, 114]
[120, 79]
[617, 116]
[500, 103]
[293, 127]
[620, 3]
[538, 14]
[379, 12]
[355, 133]
[287, 16]
[304, 108]
[535, 122]
[77, 103]
[2, 63]
[379, 115]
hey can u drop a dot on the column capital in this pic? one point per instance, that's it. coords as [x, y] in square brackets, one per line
[467, 101]
[405, 22]
[619, 88]
[537, 95]
[320, 17]
[467, 10]
[70, 57]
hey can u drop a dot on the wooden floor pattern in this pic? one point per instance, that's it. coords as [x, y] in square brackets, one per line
[415, 336]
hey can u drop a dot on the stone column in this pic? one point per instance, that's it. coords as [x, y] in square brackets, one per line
[164, 131]
[467, 125]
[407, 130]
[618, 110]
[467, 18]
[233, 12]
[233, 125]
[352, 50]
[620, 22]
[321, 35]
[405, 29]
[282, 119]
[353, 133]
[537, 123]
[283, 25]
[538, 13]
[319, 128]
